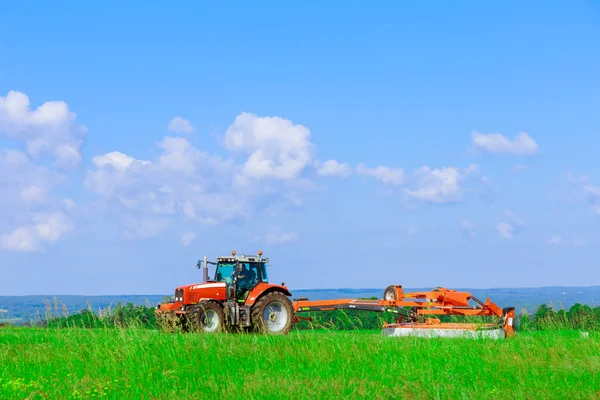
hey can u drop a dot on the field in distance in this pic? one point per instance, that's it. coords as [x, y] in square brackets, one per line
[131, 363]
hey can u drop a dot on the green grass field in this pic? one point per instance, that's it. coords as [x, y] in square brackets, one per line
[135, 363]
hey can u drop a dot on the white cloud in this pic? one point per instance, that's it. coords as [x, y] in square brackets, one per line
[593, 196]
[181, 125]
[507, 230]
[334, 168]
[43, 227]
[69, 204]
[468, 229]
[33, 194]
[590, 192]
[143, 228]
[555, 240]
[278, 237]
[116, 160]
[187, 238]
[183, 182]
[514, 219]
[21, 239]
[21, 180]
[520, 168]
[275, 147]
[523, 144]
[51, 226]
[49, 129]
[443, 185]
[31, 212]
[387, 175]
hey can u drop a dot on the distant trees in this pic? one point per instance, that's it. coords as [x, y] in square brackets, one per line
[122, 315]
[579, 316]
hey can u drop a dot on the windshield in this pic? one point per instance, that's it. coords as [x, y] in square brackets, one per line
[224, 272]
[263, 272]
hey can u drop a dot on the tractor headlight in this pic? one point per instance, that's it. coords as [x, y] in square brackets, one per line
[179, 295]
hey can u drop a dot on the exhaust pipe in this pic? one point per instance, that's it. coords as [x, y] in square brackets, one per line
[205, 272]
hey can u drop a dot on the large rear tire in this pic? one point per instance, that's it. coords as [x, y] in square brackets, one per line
[207, 318]
[273, 314]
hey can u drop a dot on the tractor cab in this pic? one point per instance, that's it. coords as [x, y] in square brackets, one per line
[242, 273]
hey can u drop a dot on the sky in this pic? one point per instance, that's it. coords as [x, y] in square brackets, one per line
[356, 144]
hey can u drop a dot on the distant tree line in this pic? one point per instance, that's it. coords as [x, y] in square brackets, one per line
[121, 316]
[579, 316]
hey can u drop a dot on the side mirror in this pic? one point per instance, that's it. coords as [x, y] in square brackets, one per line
[199, 264]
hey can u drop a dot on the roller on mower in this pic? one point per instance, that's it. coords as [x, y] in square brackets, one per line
[239, 297]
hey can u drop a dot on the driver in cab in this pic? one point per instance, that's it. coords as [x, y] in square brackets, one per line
[245, 280]
[246, 276]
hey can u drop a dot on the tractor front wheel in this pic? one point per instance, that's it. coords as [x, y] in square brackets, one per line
[207, 318]
[273, 314]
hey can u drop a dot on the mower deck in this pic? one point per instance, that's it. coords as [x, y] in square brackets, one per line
[445, 330]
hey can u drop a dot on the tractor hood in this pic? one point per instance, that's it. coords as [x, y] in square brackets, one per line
[201, 286]
[211, 290]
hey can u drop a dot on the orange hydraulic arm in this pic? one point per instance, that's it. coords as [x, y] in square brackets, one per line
[439, 301]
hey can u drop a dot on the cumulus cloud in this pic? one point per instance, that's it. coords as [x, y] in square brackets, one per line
[520, 168]
[387, 175]
[468, 229]
[507, 230]
[521, 145]
[181, 125]
[593, 196]
[186, 182]
[429, 185]
[275, 147]
[555, 240]
[276, 236]
[140, 228]
[183, 181]
[334, 168]
[49, 129]
[444, 185]
[32, 215]
[22, 180]
[413, 231]
[43, 227]
[187, 238]
[591, 192]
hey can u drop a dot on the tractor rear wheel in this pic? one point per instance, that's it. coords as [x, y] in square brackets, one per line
[207, 318]
[273, 314]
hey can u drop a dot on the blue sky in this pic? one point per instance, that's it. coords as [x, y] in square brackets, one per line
[358, 145]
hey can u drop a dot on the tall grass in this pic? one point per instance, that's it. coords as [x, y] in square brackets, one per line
[39, 363]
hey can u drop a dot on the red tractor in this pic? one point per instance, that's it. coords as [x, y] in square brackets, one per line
[238, 298]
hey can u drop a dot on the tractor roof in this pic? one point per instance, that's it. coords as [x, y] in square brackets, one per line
[243, 258]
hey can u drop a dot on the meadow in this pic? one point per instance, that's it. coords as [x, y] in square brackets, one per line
[117, 363]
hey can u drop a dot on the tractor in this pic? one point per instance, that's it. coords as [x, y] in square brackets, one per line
[238, 298]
